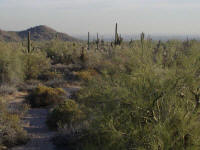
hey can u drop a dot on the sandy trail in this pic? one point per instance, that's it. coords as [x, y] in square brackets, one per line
[34, 124]
[40, 136]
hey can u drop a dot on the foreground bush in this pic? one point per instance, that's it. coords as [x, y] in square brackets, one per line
[45, 96]
[11, 130]
[66, 114]
[146, 99]
[146, 114]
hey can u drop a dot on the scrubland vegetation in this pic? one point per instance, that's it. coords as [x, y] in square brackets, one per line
[45, 96]
[141, 95]
[11, 131]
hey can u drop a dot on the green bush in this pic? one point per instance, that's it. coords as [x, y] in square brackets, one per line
[35, 64]
[11, 64]
[86, 74]
[45, 96]
[62, 52]
[66, 114]
[146, 114]
[139, 103]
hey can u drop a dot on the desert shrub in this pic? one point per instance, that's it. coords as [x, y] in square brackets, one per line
[11, 68]
[62, 52]
[66, 72]
[66, 114]
[86, 74]
[11, 130]
[19, 109]
[139, 103]
[145, 114]
[92, 59]
[35, 64]
[45, 96]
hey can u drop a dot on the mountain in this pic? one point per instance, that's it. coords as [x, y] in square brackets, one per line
[38, 33]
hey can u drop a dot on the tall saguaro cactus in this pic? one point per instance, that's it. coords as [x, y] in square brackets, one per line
[97, 42]
[29, 42]
[142, 36]
[88, 40]
[116, 35]
[118, 39]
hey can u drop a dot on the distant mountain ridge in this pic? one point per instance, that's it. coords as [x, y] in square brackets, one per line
[38, 33]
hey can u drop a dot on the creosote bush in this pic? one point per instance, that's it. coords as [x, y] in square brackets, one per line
[62, 52]
[11, 64]
[45, 96]
[86, 74]
[35, 64]
[65, 114]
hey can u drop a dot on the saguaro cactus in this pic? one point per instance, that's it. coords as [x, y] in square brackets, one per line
[142, 42]
[131, 41]
[29, 41]
[82, 57]
[116, 35]
[142, 38]
[118, 40]
[88, 40]
[97, 42]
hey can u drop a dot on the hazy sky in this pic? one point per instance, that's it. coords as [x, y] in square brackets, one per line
[80, 16]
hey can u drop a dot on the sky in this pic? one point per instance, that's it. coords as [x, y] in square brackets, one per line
[77, 17]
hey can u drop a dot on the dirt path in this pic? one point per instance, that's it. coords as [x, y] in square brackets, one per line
[34, 124]
[39, 134]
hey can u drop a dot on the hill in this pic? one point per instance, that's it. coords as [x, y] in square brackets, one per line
[38, 33]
